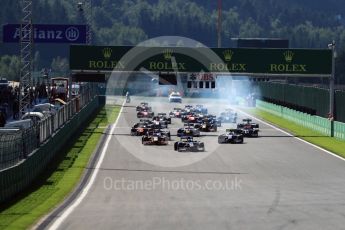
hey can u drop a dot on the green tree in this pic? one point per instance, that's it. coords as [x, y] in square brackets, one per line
[10, 67]
[250, 29]
[60, 65]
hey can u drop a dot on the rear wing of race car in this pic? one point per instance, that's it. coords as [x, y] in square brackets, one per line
[231, 130]
[247, 120]
[255, 126]
[189, 124]
[161, 114]
[252, 126]
[237, 131]
[187, 138]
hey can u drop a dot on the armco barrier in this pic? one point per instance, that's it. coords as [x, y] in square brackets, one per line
[316, 123]
[15, 179]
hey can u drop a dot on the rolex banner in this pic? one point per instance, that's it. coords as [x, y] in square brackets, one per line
[301, 62]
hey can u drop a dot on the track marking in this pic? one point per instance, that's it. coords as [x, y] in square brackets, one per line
[289, 134]
[84, 192]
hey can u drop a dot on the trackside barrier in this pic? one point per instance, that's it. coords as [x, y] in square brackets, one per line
[316, 123]
[339, 130]
[11, 145]
[22, 171]
[313, 97]
[16, 144]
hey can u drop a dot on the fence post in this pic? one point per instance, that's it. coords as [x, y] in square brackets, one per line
[331, 88]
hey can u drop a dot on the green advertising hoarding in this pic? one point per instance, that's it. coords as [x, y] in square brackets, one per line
[245, 61]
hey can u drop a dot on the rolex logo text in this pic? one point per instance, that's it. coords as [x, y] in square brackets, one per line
[288, 66]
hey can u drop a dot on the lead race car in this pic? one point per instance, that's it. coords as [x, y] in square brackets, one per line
[249, 128]
[231, 136]
[187, 144]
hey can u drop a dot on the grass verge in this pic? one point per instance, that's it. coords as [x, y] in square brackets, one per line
[60, 179]
[329, 143]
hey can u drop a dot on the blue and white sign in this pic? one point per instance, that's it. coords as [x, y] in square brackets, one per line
[47, 33]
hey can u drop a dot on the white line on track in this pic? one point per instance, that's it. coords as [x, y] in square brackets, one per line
[84, 192]
[289, 134]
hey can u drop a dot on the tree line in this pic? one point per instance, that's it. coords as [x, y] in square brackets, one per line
[306, 23]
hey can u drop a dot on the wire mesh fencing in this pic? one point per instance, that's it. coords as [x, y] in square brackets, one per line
[16, 144]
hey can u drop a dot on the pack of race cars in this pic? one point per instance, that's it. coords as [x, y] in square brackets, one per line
[153, 128]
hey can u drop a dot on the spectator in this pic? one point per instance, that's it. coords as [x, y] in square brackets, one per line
[61, 91]
[37, 93]
[330, 116]
[53, 93]
[2, 119]
[32, 96]
[42, 92]
[15, 109]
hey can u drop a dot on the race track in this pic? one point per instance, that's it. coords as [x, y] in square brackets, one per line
[271, 182]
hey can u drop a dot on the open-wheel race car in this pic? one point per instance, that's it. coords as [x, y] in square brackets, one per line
[164, 117]
[188, 144]
[188, 130]
[190, 117]
[159, 121]
[229, 116]
[154, 124]
[233, 136]
[200, 109]
[145, 114]
[176, 113]
[188, 107]
[143, 106]
[249, 128]
[156, 137]
[140, 128]
[212, 119]
[207, 125]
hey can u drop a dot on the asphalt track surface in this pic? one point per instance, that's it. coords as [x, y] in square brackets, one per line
[271, 182]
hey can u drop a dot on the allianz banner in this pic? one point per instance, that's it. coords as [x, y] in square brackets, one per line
[47, 33]
[242, 61]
